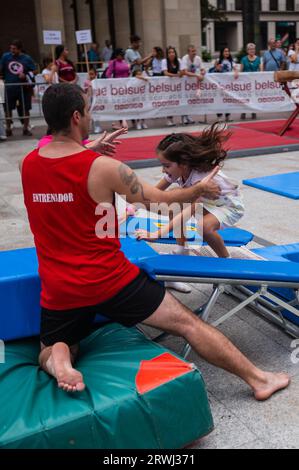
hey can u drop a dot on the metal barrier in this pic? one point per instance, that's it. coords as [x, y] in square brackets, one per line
[20, 95]
[37, 92]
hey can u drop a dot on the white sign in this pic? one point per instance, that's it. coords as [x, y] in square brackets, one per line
[84, 36]
[52, 37]
[134, 98]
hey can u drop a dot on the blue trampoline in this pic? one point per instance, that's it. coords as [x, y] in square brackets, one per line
[286, 184]
[231, 236]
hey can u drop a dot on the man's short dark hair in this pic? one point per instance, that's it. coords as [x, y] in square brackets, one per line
[17, 43]
[135, 38]
[59, 104]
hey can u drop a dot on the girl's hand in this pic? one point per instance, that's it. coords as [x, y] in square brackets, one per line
[106, 143]
[145, 235]
[211, 190]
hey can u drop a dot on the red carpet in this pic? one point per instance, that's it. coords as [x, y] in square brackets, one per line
[246, 136]
[271, 127]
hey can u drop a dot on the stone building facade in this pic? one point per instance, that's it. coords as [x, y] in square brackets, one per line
[158, 22]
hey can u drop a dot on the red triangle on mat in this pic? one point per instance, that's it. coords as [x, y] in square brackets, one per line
[160, 370]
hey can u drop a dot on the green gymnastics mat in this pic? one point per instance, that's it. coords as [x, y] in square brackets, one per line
[138, 396]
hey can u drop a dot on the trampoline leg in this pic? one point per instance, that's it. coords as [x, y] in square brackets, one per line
[290, 121]
[206, 310]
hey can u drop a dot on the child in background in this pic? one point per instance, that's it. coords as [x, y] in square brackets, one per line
[186, 160]
[92, 75]
[2, 115]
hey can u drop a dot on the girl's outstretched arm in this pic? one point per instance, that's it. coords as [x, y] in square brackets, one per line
[176, 222]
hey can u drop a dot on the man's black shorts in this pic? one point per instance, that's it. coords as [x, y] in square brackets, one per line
[18, 95]
[132, 305]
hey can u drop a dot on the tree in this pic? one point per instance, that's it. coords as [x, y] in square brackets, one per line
[251, 22]
[209, 12]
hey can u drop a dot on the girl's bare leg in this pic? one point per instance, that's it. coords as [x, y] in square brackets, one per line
[210, 227]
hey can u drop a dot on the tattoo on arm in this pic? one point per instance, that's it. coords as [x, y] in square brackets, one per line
[129, 178]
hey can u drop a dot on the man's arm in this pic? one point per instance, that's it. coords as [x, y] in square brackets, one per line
[142, 61]
[108, 176]
[31, 66]
[163, 232]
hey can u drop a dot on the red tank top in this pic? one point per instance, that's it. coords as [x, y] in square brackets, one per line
[76, 267]
[66, 70]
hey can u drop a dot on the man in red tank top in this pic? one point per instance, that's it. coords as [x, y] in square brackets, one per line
[83, 274]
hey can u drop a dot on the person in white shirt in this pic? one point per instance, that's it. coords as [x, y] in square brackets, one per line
[172, 67]
[107, 52]
[192, 66]
[49, 73]
[136, 62]
[154, 65]
[133, 56]
[294, 57]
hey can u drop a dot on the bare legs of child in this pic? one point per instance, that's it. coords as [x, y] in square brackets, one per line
[211, 236]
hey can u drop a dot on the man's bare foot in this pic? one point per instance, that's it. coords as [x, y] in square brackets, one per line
[272, 384]
[59, 364]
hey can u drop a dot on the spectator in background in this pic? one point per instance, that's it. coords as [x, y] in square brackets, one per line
[192, 66]
[93, 54]
[172, 67]
[294, 57]
[289, 52]
[280, 47]
[107, 52]
[225, 64]
[155, 62]
[92, 75]
[133, 56]
[18, 69]
[274, 59]
[65, 68]
[250, 63]
[49, 73]
[118, 68]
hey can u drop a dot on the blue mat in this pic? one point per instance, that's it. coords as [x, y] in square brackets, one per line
[20, 289]
[286, 184]
[231, 236]
[282, 253]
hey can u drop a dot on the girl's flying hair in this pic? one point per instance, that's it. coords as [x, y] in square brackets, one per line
[203, 152]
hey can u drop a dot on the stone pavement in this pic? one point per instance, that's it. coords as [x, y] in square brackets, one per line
[240, 422]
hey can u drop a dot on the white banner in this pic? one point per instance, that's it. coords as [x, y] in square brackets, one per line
[52, 37]
[84, 36]
[134, 98]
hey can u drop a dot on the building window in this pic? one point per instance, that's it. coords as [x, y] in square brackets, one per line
[264, 34]
[286, 32]
[290, 5]
[273, 5]
[239, 5]
[221, 4]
